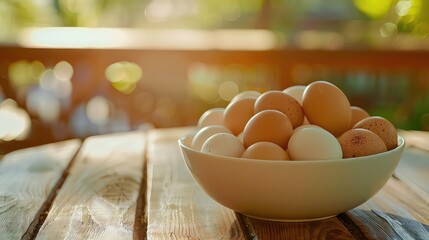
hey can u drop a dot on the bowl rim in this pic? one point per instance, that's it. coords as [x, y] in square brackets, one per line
[401, 145]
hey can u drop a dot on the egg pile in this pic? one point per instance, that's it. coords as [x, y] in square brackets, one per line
[314, 122]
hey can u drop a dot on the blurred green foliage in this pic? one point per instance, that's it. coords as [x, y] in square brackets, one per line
[284, 16]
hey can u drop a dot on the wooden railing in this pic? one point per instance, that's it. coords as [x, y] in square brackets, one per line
[390, 83]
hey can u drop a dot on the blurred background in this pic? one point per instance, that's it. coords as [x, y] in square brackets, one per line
[76, 68]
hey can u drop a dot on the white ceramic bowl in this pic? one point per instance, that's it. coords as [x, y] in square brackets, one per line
[290, 190]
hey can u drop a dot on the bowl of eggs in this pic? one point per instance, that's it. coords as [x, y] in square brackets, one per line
[301, 154]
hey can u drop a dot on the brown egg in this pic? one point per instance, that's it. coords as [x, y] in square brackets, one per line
[265, 151]
[383, 128]
[237, 114]
[360, 142]
[278, 100]
[326, 105]
[268, 126]
[357, 115]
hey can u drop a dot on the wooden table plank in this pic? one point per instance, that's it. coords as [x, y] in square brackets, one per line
[414, 169]
[177, 207]
[395, 212]
[98, 199]
[26, 179]
[175, 195]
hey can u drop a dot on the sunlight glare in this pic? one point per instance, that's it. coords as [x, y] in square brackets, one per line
[127, 38]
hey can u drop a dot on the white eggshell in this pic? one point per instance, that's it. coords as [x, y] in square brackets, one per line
[203, 134]
[313, 143]
[305, 126]
[212, 116]
[295, 92]
[223, 144]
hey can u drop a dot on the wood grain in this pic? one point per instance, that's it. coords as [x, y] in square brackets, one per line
[98, 199]
[177, 207]
[395, 212]
[330, 228]
[174, 195]
[26, 179]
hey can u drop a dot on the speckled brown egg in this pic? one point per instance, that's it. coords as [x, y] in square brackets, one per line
[360, 142]
[383, 128]
[280, 101]
[237, 114]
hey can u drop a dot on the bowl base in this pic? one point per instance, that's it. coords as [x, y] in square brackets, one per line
[288, 220]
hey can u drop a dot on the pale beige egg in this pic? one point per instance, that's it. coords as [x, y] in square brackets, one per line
[296, 92]
[212, 116]
[204, 133]
[310, 142]
[265, 151]
[278, 100]
[326, 105]
[237, 114]
[360, 142]
[305, 126]
[268, 126]
[223, 144]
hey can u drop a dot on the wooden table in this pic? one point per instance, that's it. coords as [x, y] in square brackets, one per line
[135, 186]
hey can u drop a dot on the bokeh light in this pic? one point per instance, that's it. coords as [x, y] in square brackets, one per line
[403, 7]
[61, 88]
[80, 123]
[374, 8]
[15, 123]
[228, 90]
[63, 71]
[203, 82]
[44, 104]
[124, 76]
[24, 73]
[48, 80]
[217, 85]
[408, 10]
[388, 29]
[57, 83]
[97, 110]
